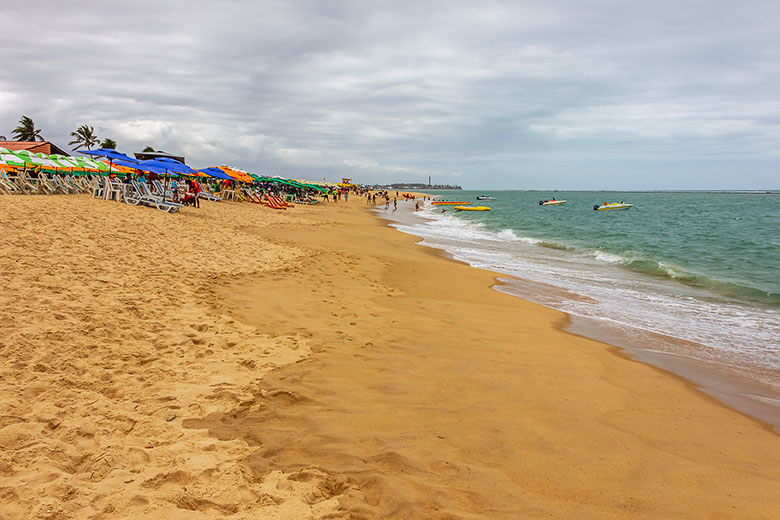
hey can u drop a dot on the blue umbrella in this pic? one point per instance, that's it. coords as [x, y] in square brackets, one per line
[108, 152]
[216, 172]
[168, 164]
[171, 165]
[138, 165]
[111, 154]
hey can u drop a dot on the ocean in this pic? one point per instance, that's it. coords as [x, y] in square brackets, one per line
[688, 281]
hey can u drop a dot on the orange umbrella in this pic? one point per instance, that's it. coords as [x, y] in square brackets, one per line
[236, 174]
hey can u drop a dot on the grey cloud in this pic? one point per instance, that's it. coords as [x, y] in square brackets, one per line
[493, 94]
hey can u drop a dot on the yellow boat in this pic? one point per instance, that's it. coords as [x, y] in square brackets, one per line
[612, 205]
[472, 208]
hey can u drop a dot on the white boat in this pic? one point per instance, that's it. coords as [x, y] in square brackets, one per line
[485, 197]
[551, 202]
[612, 205]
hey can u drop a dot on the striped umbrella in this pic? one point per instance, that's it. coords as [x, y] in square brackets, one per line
[9, 158]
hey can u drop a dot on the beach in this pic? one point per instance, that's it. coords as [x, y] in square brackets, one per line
[235, 361]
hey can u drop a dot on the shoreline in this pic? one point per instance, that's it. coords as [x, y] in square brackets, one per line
[317, 363]
[408, 410]
[740, 394]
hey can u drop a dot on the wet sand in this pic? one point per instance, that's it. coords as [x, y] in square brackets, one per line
[238, 362]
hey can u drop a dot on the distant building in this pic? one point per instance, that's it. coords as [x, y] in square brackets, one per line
[44, 147]
[143, 156]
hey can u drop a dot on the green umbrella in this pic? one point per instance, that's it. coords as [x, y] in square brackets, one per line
[23, 156]
[10, 158]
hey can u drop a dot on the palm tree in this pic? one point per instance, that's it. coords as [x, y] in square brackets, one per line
[84, 136]
[108, 143]
[26, 130]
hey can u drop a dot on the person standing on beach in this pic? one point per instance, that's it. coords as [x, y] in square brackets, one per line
[395, 203]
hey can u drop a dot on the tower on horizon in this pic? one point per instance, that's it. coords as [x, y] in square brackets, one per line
[429, 180]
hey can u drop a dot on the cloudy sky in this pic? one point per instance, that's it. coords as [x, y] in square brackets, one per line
[571, 94]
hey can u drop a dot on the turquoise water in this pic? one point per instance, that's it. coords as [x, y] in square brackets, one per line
[726, 242]
[690, 279]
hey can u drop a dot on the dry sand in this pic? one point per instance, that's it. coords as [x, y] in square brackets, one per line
[237, 362]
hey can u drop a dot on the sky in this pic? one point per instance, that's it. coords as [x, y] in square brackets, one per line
[568, 94]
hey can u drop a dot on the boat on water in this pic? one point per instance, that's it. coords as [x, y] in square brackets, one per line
[472, 208]
[485, 197]
[612, 205]
[551, 202]
[450, 202]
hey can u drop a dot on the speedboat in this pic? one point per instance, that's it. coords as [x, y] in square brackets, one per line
[551, 202]
[450, 202]
[485, 197]
[472, 208]
[612, 205]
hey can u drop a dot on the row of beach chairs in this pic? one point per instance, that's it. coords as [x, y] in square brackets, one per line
[21, 183]
[151, 193]
[268, 200]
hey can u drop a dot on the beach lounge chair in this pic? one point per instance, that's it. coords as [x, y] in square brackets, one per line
[208, 196]
[139, 193]
[9, 185]
[278, 201]
[273, 202]
[159, 189]
[61, 186]
[256, 198]
[26, 183]
[252, 197]
[69, 183]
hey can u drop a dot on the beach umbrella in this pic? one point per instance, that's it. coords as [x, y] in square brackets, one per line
[169, 167]
[140, 165]
[216, 172]
[39, 161]
[69, 162]
[175, 166]
[24, 156]
[91, 164]
[11, 159]
[236, 174]
[46, 161]
[110, 154]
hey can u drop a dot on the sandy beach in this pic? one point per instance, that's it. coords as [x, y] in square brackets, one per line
[234, 361]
